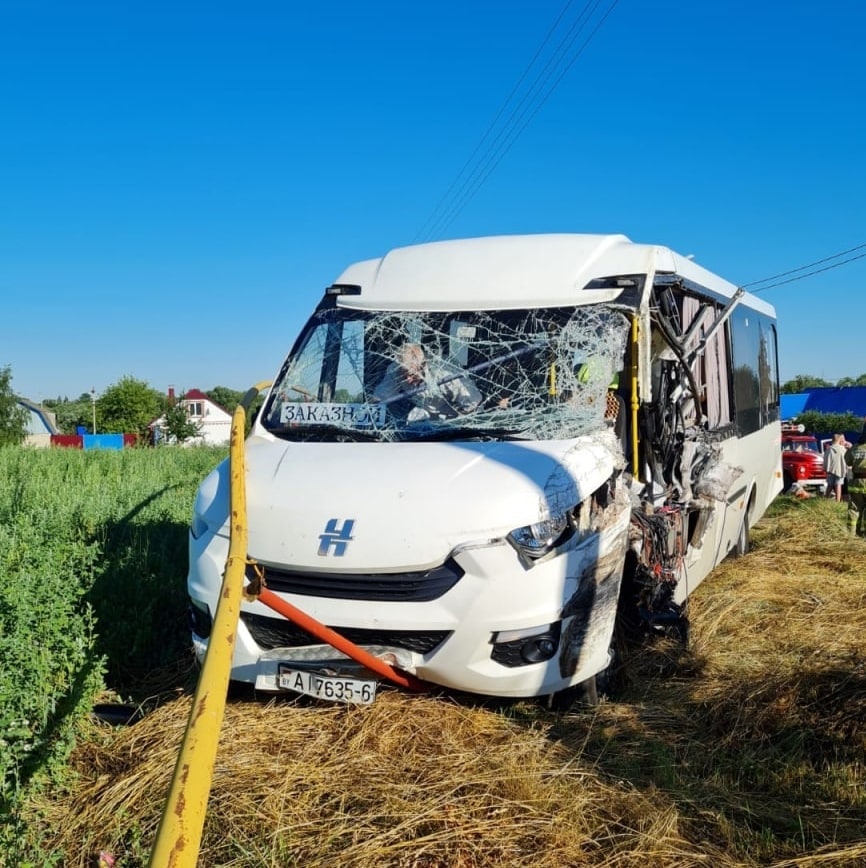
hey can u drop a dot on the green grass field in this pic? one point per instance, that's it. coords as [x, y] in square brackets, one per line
[92, 593]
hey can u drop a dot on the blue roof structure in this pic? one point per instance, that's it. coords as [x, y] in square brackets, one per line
[834, 399]
[827, 399]
[791, 406]
[39, 420]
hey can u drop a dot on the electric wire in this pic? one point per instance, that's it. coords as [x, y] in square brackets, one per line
[495, 156]
[520, 116]
[435, 214]
[774, 277]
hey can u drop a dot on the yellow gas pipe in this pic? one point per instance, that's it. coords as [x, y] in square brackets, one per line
[178, 837]
[637, 470]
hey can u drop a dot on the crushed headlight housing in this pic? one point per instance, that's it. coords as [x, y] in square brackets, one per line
[534, 541]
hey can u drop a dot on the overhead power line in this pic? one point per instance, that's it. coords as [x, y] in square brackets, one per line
[489, 131]
[773, 280]
[500, 137]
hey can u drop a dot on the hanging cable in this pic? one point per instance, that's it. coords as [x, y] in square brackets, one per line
[809, 265]
[521, 115]
[808, 273]
[439, 205]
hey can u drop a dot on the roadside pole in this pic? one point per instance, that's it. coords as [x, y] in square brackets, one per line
[178, 837]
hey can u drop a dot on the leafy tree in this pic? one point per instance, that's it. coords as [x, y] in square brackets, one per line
[71, 415]
[829, 423]
[852, 381]
[128, 407]
[13, 417]
[227, 398]
[802, 382]
[178, 424]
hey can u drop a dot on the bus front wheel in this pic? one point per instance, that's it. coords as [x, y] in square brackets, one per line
[585, 693]
[742, 545]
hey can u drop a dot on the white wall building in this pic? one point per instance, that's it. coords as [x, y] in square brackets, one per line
[215, 421]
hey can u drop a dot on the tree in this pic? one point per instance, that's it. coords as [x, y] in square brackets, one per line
[829, 423]
[802, 382]
[852, 381]
[72, 415]
[128, 407]
[227, 398]
[13, 417]
[178, 424]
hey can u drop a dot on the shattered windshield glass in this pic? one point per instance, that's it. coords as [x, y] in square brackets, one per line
[539, 374]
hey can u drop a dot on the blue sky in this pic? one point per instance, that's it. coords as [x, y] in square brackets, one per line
[179, 181]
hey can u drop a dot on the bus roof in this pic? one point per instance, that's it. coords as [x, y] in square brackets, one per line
[507, 271]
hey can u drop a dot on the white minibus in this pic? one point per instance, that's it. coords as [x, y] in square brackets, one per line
[480, 453]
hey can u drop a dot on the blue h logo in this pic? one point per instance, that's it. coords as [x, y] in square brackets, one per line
[339, 538]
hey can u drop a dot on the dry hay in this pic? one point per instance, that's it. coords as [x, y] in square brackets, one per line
[776, 675]
[781, 633]
[410, 781]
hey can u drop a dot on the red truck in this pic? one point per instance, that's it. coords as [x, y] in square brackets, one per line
[802, 461]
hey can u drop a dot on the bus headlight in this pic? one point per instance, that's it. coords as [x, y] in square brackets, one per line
[534, 541]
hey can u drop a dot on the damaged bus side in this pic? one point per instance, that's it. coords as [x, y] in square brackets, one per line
[480, 453]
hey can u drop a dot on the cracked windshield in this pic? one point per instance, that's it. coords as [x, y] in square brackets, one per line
[541, 374]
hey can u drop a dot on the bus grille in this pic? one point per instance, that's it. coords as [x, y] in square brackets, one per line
[279, 633]
[418, 587]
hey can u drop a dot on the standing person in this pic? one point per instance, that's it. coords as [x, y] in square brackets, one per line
[835, 467]
[855, 458]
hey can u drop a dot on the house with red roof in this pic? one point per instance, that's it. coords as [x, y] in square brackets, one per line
[214, 421]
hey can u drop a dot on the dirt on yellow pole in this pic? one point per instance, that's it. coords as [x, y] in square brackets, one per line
[178, 837]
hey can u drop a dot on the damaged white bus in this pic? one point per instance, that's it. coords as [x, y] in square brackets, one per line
[480, 453]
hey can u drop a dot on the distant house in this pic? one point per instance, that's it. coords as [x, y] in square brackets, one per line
[215, 421]
[41, 423]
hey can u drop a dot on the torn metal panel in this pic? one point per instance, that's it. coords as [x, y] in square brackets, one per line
[682, 422]
[590, 613]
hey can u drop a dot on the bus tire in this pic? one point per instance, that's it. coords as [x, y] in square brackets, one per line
[585, 693]
[742, 545]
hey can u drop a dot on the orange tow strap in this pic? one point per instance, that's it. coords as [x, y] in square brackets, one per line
[326, 634]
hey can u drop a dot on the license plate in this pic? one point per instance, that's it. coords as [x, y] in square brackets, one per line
[360, 691]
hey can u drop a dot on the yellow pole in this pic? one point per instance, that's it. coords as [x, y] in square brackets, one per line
[637, 470]
[252, 392]
[178, 837]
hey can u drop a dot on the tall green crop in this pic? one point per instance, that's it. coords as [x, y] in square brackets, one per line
[93, 564]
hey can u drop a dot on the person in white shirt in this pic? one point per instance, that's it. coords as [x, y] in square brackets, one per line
[835, 467]
[420, 389]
